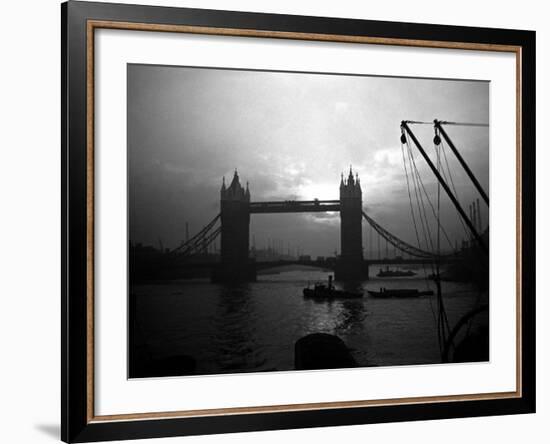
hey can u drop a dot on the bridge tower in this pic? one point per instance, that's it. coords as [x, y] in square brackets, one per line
[350, 265]
[235, 231]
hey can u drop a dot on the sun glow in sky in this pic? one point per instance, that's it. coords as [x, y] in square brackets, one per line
[322, 191]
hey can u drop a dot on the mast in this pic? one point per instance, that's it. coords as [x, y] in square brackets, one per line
[439, 127]
[455, 202]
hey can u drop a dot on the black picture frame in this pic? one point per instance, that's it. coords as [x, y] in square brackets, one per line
[76, 423]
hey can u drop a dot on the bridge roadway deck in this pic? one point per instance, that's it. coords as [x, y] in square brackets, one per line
[294, 206]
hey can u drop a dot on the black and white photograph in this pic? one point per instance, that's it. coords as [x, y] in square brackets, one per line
[286, 221]
[238, 221]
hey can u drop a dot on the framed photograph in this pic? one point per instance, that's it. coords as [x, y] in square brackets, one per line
[275, 221]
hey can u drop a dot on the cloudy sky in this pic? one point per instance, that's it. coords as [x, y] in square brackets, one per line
[290, 135]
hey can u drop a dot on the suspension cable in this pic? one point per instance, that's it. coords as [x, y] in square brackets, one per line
[395, 241]
[189, 243]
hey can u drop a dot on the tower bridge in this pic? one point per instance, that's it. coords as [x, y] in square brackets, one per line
[236, 209]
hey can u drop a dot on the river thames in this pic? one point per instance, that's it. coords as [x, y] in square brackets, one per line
[253, 327]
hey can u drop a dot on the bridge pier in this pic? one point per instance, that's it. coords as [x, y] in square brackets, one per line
[351, 271]
[230, 274]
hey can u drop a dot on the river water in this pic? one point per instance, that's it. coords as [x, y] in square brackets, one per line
[253, 327]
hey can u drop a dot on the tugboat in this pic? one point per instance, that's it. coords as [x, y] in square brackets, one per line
[399, 293]
[322, 291]
[394, 273]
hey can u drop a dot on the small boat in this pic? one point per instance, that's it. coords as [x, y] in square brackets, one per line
[394, 273]
[322, 291]
[399, 293]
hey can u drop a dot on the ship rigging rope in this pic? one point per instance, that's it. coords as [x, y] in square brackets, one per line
[410, 199]
[449, 340]
[445, 122]
[449, 178]
[394, 240]
[440, 318]
[419, 199]
[435, 317]
[438, 153]
[445, 335]
[443, 318]
[415, 177]
[423, 188]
